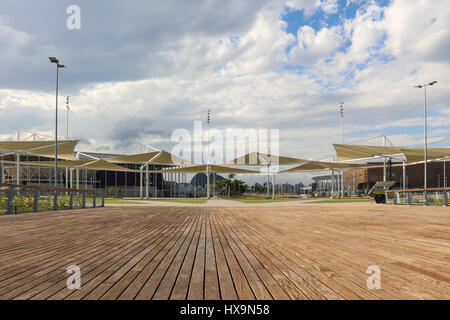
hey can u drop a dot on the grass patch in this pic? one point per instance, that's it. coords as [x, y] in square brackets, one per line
[342, 201]
[263, 200]
[121, 202]
[144, 201]
[195, 201]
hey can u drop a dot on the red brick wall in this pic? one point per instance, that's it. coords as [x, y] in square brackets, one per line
[361, 178]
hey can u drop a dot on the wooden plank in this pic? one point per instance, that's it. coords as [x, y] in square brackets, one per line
[212, 291]
[167, 283]
[280, 252]
[180, 289]
[88, 265]
[116, 268]
[196, 285]
[257, 285]
[240, 282]
[151, 284]
[48, 272]
[226, 285]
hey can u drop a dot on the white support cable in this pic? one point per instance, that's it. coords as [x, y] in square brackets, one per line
[86, 155]
[446, 139]
[390, 142]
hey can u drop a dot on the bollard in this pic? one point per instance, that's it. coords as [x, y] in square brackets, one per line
[445, 198]
[9, 204]
[103, 199]
[71, 200]
[36, 201]
[84, 200]
[55, 200]
[93, 200]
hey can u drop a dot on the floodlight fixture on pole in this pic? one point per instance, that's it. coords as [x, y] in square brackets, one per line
[58, 66]
[67, 117]
[425, 153]
[208, 172]
[341, 114]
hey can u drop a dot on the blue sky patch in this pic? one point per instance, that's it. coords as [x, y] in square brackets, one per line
[296, 19]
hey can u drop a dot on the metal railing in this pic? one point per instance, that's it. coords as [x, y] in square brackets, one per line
[28, 198]
[425, 197]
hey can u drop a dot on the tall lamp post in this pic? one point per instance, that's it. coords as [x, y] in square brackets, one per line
[341, 114]
[208, 172]
[67, 116]
[425, 152]
[67, 137]
[58, 65]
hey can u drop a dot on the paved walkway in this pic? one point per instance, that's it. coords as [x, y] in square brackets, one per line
[213, 202]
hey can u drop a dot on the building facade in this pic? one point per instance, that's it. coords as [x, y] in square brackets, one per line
[363, 179]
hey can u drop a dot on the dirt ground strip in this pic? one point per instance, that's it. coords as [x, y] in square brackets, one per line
[247, 252]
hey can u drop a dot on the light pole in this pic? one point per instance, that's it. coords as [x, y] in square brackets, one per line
[425, 152]
[341, 114]
[67, 117]
[58, 65]
[208, 172]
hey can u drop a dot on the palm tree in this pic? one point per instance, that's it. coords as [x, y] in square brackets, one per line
[230, 181]
[219, 186]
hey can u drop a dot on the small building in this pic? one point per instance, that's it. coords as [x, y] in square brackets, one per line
[363, 179]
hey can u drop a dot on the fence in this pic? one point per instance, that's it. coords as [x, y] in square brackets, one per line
[27, 198]
[432, 196]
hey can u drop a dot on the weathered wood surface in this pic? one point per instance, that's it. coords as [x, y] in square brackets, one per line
[303, 252]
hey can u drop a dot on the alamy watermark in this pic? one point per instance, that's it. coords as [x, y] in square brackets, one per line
[217, 146]
[374, 280]
[73, 22]
[74, 280]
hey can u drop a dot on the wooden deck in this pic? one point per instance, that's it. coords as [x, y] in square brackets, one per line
[307, 252]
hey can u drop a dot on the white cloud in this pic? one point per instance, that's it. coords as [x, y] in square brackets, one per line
[310, 6]
[329, 6]
[418, 29]
[313, 46]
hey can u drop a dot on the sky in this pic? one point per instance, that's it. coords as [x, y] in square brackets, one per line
[138, 70]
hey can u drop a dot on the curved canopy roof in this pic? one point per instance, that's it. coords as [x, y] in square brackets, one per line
[155, 157]
[416, 154]
[99, 164]
[134, 158]
[204, 168]
[41, 148]
[261, 159]
[326, 166]
[346, 152]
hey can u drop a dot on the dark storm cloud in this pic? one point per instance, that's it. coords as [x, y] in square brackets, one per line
[28, 117]
[128, 131]
[118, 40]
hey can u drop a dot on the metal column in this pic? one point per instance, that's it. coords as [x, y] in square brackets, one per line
[146, 181]
[77, 171]
[332, 184]
[17, 168]
[207, 182]
[140, 182]
[273, 186]
[404, 175]
[384, 161]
